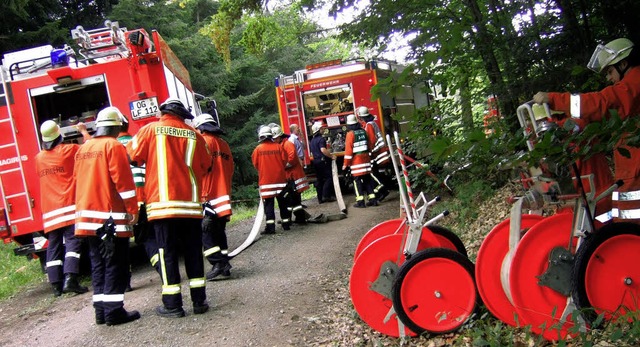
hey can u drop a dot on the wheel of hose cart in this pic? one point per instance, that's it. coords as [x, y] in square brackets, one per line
[385, 228]
[435, 291]
[445, 237]
[606, 275]
[372, 306]
[539, 305]
[491, 255]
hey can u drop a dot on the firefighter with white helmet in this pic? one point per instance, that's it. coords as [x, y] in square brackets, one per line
[380, 157]
[216, 198]
[177, 159]
[54, 165]
[321, 163]
[270, 159]
[620, 62]
[296, 178]
[106, 209]
[358, 161]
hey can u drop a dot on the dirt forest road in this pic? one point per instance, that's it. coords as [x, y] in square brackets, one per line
[282, 293]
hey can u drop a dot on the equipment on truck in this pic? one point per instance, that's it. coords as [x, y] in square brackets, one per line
[328, 92]
[130, 69]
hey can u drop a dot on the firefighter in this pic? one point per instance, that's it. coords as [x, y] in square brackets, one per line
[54, 165]
[380, 157]
[322, 164]
[105, 193]
[619, 61]
[270, 159]
[176, 158]
[296, 178]
[142, 231]
[216, 197]
[358, 161]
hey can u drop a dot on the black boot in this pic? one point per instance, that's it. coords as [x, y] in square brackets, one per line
[221, 270]
[71, 285]
[121, 317]
[99, 313]
[57, 288]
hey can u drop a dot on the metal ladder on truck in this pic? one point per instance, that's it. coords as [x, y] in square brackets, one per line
[13, 184]
[289, 89]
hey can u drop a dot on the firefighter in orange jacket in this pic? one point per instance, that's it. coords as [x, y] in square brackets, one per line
[142, 231]
[104, 191]
[357, 159]
[216, 195]
[620, 61]
[54, 165]
[176, 158]
[380, 156]
[294, 173]
[270, 159]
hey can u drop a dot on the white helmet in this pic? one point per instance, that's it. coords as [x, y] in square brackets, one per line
[276, 130]
[363, 111]
[351, 119]
[109, 117]
[316, 127]
[49, 130]
[203, 118]
[264, 132]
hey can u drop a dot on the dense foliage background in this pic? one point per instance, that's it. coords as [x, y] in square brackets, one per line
[462, 51]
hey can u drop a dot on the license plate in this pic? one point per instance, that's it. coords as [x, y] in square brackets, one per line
[144, 108]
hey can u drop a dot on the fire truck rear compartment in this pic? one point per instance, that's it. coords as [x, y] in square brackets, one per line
[71, 104]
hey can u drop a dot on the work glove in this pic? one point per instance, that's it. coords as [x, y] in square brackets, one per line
[208, 210]
[142, 228]
[107, 235]
[541, 98]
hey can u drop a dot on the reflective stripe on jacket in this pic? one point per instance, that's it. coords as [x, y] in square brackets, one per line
[216, 185]
[360, 163]
[269, 158]
[57, 187]
[295, 171]
[176, 159]
[104, 187]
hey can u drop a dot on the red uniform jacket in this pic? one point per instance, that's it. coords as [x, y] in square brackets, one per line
[176, 159]
[294, 169]
[624, 97]
[377, 144]
[356, 154]
[269, 158]
[104, 187]
[216, 185]
[57, 187]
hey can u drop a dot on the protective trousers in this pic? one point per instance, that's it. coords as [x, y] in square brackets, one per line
[109, 277]
[324, 185]
[270, 214]
[170, 233]
[62, 241]
[362, 185]
[214, 239]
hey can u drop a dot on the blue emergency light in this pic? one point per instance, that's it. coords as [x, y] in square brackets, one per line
[59, 58]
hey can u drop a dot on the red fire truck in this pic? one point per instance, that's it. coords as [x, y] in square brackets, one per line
[330, 91]
[129, 69]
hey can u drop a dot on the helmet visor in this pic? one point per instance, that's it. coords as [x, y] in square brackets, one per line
[604, 56]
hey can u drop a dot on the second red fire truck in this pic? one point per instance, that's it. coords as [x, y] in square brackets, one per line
[330, 91]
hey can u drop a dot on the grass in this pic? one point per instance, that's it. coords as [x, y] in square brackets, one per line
[16, 272]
